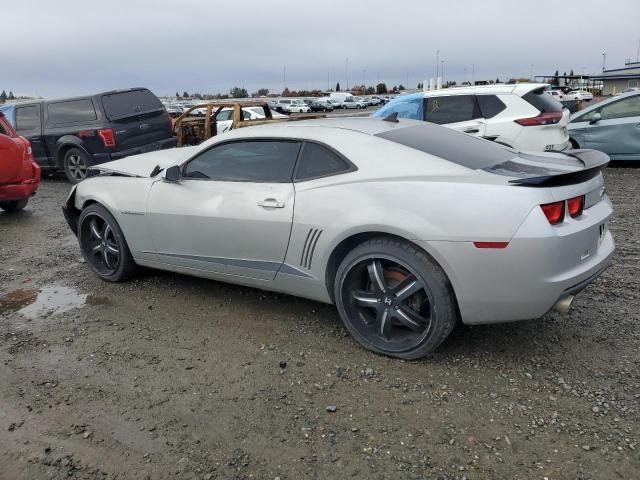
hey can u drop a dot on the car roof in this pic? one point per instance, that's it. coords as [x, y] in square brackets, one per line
[496, 88]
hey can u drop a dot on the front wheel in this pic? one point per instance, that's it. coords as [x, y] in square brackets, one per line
[14, 205]
[103, 245]
[394, 299]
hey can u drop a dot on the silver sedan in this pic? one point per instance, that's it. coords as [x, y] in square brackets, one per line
[407, 227]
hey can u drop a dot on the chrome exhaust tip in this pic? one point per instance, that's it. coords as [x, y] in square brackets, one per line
[564, 304]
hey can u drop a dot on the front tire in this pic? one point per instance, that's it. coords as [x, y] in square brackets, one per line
[14, 205]
[395, 299]
[103, 245]
[76, 165]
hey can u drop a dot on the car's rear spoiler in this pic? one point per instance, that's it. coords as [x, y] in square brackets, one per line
[593, 161]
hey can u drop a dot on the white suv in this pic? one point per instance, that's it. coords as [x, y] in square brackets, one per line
[521, 116]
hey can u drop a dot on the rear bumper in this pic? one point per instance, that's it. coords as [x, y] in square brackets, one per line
[99, 158]
[24, 189]
[526, 279]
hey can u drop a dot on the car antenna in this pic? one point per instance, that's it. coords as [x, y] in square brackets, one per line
[391, 118]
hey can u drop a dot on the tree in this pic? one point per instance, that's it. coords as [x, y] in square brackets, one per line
[177, 94]
[571, 73]
[556, 80]
[370, 90]
[11, 97]
[3, 96]
[338, 87]
[185, 94]
[237, 92]
[263, 92]
[381, 89]
[401, 87]
[497, 80]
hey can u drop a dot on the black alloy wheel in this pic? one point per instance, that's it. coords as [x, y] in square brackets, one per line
[394, 299]
[103, 245]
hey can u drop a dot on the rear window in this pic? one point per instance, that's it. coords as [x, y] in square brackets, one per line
[28, 120]
[543, 102]
[127, 104]
[318, 161]
[456, 147]
[72, 111]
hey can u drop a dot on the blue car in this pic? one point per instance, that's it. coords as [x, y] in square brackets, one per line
[611, 126]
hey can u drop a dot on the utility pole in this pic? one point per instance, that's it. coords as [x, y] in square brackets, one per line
[442, 70]
[604, 61]
[346, 71]
[473, 71]
[437, 62]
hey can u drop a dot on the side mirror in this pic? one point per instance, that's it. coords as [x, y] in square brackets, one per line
[595, 118]
[172, 174]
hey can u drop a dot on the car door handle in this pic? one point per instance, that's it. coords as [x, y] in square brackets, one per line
[472, 130]
[271, 203]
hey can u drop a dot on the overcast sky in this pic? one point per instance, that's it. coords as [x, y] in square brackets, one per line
[69, 47]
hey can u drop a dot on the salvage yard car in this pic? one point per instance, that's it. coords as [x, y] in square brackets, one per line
[73, 134]
[19, 174]
[521, 116]
[611, 126]
[408, 227]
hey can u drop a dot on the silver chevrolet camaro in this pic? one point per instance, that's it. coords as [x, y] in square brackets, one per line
[407, 227]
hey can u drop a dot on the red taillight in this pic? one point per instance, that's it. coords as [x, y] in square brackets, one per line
[554, 212]
[107, 137]
[575, 206]
[547, 118]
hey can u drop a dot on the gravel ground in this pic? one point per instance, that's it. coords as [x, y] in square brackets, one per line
[168, 376]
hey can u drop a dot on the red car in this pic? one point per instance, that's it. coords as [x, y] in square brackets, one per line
[19, 173]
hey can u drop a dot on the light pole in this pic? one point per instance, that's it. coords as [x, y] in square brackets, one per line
[604, 61]
[437, 60]
[531, 75]
[473, 71]
[284, 77]
[442, 70]
[465, 76]
[346, 71]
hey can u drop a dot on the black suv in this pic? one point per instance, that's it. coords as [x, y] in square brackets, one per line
[73, 134]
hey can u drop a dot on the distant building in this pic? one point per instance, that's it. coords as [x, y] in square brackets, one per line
[618, 79]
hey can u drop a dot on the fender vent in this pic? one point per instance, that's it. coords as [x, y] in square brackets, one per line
[309, 247]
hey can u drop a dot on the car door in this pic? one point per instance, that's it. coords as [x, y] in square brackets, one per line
[231, 212]
[617, 133]
[224, 120]
[459, 112]
[29, 125]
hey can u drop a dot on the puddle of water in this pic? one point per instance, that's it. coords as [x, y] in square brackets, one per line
[44, 302]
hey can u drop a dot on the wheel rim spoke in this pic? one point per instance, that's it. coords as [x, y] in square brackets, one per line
[365, 299]
[411, 319]
[376, 275]
[384, 322]
[94, 229]
[408, 287]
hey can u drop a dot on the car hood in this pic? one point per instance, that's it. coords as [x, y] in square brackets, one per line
[142, 165]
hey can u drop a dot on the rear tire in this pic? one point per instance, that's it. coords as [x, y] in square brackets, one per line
[76, 165]
[103, 245]
[395, 299]
[14, 205]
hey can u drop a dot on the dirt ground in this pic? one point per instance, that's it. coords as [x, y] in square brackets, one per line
[172, 377]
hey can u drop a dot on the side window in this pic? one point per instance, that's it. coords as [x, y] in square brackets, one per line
[628, 107]
[250, 161]
[410, 107]
[451, 109]
[224, 115]
[73, 111]
[28, 120]
[490, 105]
[319, 161]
